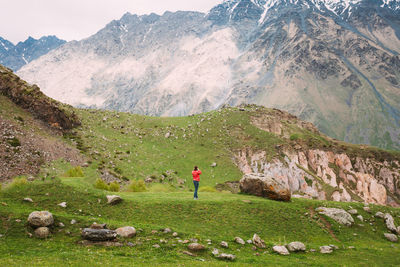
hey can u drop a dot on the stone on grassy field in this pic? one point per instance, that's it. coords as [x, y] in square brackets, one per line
[167, 231]
[249, 241]
[40, 219]
[225, 256]
[63, 204]
[296, 246]
[156, 246]
[265, 186]
[98, 234]
[73, 221]
[353, 211]
[224, 244]
[367, 209]
[380, 215]
[239, 241]
[214, 164]
[326, 249]
[282, 250]
[258, 241]
[339, 215]
[175, 234]
[27, 199]
[360, 217]
[189, 253]
[42, 232]
[215, 252]
[98, 226]
[127, 231]
[390, 223]
[61, 225]
[113, 199]
[391, 237]
[334, 246]
[196, 247]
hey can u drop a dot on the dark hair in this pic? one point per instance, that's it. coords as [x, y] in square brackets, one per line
[196, 168]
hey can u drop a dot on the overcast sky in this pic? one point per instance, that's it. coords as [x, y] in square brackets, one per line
[77, 19]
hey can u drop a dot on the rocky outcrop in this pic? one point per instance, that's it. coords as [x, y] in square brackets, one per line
[32, 99]
[329, 175]
[265, 186]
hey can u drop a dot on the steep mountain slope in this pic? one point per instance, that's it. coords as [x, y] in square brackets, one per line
[334, 63]
[16, 56]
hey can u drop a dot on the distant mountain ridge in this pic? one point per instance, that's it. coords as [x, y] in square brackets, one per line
[333, 63]
[16, 56]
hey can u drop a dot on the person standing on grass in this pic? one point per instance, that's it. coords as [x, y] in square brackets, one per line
[196, 180]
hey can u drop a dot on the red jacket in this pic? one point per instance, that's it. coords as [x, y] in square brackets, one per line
[196, 175]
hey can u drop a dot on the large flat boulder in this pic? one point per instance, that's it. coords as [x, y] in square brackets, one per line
[40, 219]
[98, 234]
[339, 215]
[265, 186]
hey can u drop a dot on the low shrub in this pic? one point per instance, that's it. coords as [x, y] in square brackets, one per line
[114, 187]
[137, 186]
[74, 172]
[18, 182]
[294, 137]
[100, 184]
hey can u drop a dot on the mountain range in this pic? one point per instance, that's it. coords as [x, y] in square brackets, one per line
[16, 56]
[331, 62]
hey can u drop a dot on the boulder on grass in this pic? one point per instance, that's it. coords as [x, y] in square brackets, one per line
[258, 242]
[296, 246]
[390, 223]
[196, 247]
[326, 249]
[391, 237]
[98, 234]
[282, 250]
[113, 199]
[265, 186]
[339, 215]
[42, 232]
[40, 219]
[239, 241]
[127, 231]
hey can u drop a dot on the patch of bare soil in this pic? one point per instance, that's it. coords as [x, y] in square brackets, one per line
[23, 151]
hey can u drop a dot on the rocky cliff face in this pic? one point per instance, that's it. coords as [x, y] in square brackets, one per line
[16, 56]
[334, 63]
[330, 173]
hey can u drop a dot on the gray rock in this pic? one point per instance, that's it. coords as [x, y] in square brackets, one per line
[42, 232]
[98, 234]
[189, 253]
[214, 164]
[175, 234]
[61, 225]
[353, 211]
[360, 217]
[196, 247]
[282, 250]
[224, 244]
[73, 221]
[27, 199]
[156, 246]
[390, 223]
[126, 232]
[225, 256]
[296, 246]
[113, 199]
[339, 215]
[249, 241]
[380, 215]
[326, 249]
[391, 237]
[40, 219]
[239, 240]
[258, 242]
[265, 186]
[334, 247]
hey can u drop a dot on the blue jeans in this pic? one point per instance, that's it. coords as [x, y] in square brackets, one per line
[196, 187]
